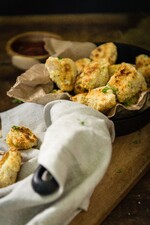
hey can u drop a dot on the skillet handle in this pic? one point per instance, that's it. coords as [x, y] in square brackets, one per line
[43, 183]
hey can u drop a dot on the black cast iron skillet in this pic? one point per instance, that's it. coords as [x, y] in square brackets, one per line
[126, 53]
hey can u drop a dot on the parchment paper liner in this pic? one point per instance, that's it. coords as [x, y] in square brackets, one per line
[35, 85]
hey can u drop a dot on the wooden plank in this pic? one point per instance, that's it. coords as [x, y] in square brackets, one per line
[130, 160]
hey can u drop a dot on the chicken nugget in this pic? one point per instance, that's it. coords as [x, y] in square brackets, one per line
[94, 75]
[63, 72]
[81, 98]
[113, 69]
[143, 66]
[10, 165]
[127, 82]
[81, 63]
[107, 51]
[21, 138]
[101, 99]
[79, 87]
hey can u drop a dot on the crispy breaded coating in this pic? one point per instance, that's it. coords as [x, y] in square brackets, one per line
[113, 69]
[127, 82]
[81, 63]
[94, 75]
[81, 98]
[79, 87]
[21, 138]
[101, 99]
[142, 60]
[143, 66]
[62, 71]
[107, 51]
[10, 165]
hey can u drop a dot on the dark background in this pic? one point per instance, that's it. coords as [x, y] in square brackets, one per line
[12, 7]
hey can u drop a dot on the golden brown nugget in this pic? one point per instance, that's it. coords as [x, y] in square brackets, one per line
[81, 63]
[62, 71]
[21, 138]
[143, 66]
[113, 69]
[10, 165]
[94, 75]
[81, 98]
[101, 99]
[79, 87]
[127, 82]
[107, 51]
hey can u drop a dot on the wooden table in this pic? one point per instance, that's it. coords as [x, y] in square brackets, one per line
[111, 202]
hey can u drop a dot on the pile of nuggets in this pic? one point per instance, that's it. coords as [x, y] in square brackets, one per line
[97, 81]
[18, 138]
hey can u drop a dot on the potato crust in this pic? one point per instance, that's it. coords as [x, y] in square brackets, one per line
[62, 71]
[107, 51]
[81, 98]
[21, 138]
[81, 63]
[143, 66]
[101, 100]
[94, 75]
[127, 82]
[113, 69]
[10, 165]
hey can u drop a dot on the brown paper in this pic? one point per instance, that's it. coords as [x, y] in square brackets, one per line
[32, 84]
[68, 49]
[35, 85]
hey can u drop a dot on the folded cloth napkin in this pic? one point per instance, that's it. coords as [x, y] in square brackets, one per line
[76, 149]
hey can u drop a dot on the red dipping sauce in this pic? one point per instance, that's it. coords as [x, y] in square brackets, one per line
[30, 48]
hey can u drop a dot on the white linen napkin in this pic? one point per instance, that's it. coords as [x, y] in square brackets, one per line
[76, 149]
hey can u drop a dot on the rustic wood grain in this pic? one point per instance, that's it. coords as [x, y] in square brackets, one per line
[130, 160]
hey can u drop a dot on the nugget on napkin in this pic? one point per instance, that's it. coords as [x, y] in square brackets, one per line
[76, 150]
